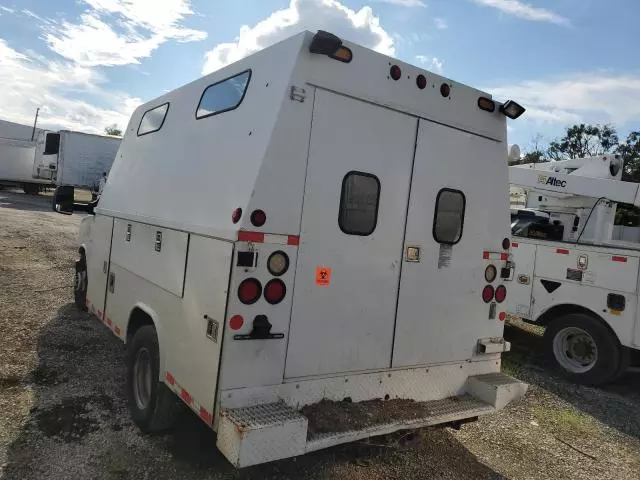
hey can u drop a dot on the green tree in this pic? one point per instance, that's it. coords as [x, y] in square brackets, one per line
[113, 130]
[536, 154]
[584, 141]
[630, 152]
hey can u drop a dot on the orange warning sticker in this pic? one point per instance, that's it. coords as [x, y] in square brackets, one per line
[323, 276]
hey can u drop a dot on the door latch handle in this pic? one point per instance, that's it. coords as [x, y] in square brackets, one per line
[523, 279]
[112, 282]
[104, 267]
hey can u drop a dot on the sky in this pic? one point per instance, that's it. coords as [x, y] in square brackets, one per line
[88, 63]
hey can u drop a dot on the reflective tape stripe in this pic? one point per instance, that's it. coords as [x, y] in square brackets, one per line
[259, 237]
[117, 330]
[186, 397]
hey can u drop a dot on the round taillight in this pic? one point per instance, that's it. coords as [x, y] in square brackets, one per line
[258, 218]
[235, 216]
[487, 294]
[236, 322]
[501, 293]
[506, 243]
[278, 263]
[249, 291]
[395, 72]
[421, 81]
[274, 291]
[490, 273]
[445, 90]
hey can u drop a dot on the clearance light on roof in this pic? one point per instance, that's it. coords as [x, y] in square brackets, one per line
[325, 43]
[486, 104]
[511, 109]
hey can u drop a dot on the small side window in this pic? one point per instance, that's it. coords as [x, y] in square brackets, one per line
[52, 144]
[449, 217]
[223, 96]
[153, 119]
[359, 202]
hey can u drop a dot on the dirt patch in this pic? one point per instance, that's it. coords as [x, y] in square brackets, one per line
[69, 421]
[10, 381]
[330, 416]
[46, 376]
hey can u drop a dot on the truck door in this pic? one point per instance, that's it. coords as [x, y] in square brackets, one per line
[519, 297]
[458, 209]
[98, 252]
[348, 267]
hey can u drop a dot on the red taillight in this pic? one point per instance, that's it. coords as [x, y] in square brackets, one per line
[487, 294]
[258, 218]
[421, 81]
[501, 293]
[235, 216]
[236, 322]
[395, 72]
[506, 243]
[274, 291]
[249, 291]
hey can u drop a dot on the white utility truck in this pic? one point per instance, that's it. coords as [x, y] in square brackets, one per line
[75, 159]
[568, 275]
[312, 226]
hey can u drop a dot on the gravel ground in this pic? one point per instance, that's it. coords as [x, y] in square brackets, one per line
[62, 411]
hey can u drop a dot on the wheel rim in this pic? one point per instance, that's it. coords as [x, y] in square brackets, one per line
[142, 378]
[575, 350]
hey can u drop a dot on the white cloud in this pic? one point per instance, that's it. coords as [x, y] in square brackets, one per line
[432, 63]
[120, 32]
[441, 23]
[29, 82]
[524, 10]
[7, 9]
[360, 26]
[594, 97]
[405, 3]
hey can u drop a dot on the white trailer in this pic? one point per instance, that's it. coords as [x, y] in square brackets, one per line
[17, 156]
[74, 158]
[314, 225]
[569, 276]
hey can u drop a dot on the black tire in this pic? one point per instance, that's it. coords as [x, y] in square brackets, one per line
[608, 362]
[81, 283]
[161, 410]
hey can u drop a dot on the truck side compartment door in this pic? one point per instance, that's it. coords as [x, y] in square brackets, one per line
[98, 253]
[520, 288]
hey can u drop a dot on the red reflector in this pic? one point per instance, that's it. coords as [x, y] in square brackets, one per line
[236, 322]
[619, 259]
[274, 291]
[514, 244]
[486, 255]
[504, 256]
[562, 251]
[502, 316]
[186, 396]
[487, 294]
[501, 293]
[255, 237]
[249, 291]
[293, 240]
[258, 218]
[206, 416]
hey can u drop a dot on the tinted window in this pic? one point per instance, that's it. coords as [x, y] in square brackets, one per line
[52, 144]
[449, 217]
[359, 203]
[223, 96]
[153, 119]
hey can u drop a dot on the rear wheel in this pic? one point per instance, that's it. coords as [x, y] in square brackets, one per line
[585, 350]
[152, 405]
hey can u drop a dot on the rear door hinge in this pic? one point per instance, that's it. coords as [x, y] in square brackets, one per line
[297, 94]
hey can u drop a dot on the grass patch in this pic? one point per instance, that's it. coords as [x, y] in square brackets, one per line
[567, 422]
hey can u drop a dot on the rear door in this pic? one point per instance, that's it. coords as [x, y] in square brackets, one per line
[458, 209]
[353, 220]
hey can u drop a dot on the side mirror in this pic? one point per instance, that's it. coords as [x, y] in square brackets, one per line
[63, 200]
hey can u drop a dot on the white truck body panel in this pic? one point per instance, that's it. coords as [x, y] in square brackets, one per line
[80, 161]
[17, 131]
[303, 123]
[16, 160]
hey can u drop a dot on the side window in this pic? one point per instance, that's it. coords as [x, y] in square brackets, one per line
[359, 202]
[449, 218]
[51, 144]
[223, 96]
[153, 119]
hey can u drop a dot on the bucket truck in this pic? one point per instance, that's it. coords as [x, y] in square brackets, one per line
[568, 274]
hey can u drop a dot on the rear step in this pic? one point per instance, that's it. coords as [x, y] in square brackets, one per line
[263, 433]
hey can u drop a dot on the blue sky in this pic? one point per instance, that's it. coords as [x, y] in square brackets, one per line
[89, 63]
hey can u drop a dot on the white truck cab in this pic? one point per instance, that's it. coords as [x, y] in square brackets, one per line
[314, 224]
